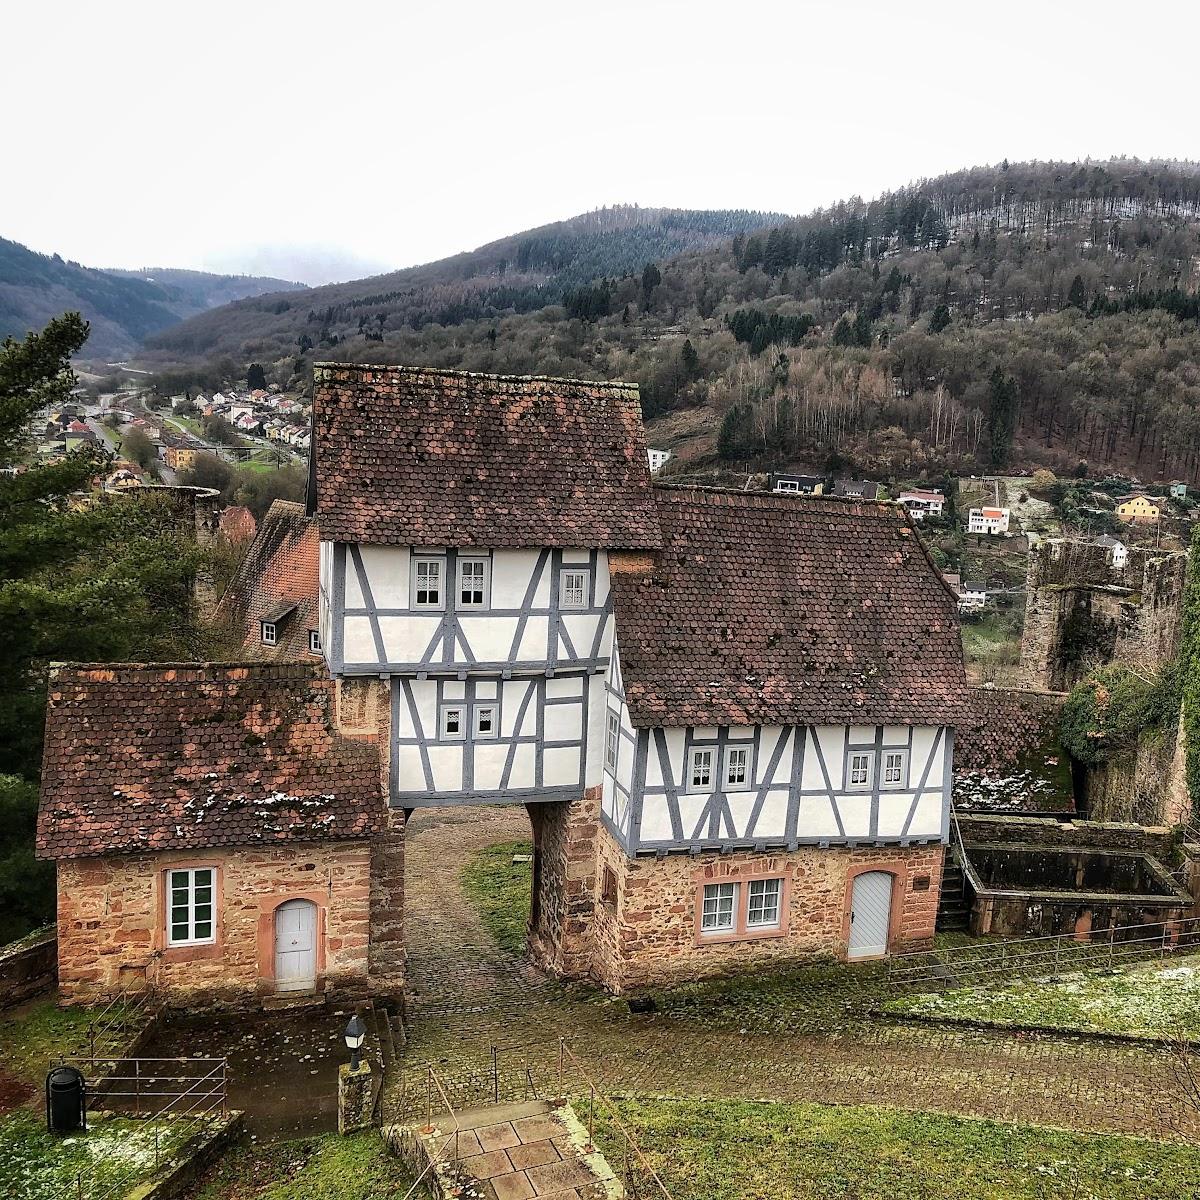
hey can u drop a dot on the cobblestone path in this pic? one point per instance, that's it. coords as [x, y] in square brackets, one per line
[817, 1043]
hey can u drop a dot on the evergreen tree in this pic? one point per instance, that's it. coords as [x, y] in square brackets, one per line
[689, 361]
[1077, 296]
[862, 328]
[106, 581]
[940, 318]
[843, 333]
[651, 278]
[256, 377]
[1001, 416]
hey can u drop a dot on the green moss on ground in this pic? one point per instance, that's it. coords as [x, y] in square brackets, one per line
[1155, 1001]
[319, 1168]
[38, 1165]
[714, 1150]
[37, 1035]
[501, 889]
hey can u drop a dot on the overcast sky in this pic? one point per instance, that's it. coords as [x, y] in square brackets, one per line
[332, 140]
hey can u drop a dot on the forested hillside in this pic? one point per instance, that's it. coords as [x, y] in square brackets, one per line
[517, 274]
[123, 307]
[998, 316]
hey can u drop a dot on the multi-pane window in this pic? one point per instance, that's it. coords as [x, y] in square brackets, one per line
[895, 767]
[472, 582]
[737, 768]
[314, 642]
[268, 633]
[860, 770]
[762, 903]
[452, 722]
[190, 906]
[700, 770]
[485, 720]
[719, 912]
[573, 589]
[427, 583]
[612, 740]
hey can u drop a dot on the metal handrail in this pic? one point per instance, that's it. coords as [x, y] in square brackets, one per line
[435, 1159]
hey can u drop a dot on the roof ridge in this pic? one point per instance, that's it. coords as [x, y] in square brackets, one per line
[454, 373]
[840, 505]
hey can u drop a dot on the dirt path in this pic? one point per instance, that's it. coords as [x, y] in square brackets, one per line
[471, 996]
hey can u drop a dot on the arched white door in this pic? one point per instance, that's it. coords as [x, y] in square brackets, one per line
[870, 914]
[295, 945]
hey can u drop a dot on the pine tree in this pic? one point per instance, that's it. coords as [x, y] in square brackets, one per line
[843, 333]
[256, 377]
[651, 278]
[106, 581]
[1077, 296]
[689, 361]
[939, 319]
[1001, 417]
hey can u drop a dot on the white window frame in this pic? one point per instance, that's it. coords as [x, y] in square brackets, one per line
[268, 631]
[693, 755]
[485, 582]
[747, 782]
[770, 891]
[861, 785]
[713, 916]
[444, 733]
[314, 641]
[612, 740]
[492, 706]
[900, 753]
[791, 486]
[582, 588]
[418, 561]
[169, 883]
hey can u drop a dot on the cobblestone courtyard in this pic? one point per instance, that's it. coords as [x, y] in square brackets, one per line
[813, 1040]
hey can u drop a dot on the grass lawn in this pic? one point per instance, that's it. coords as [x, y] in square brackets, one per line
[500, 889]
[1152, 1001]
[707, 1150]
[37, 1034]
[35, 1164]
[320, 1168]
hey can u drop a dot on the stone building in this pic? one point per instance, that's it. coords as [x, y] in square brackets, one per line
[1083, 611]
[729, 716]
[215, 837]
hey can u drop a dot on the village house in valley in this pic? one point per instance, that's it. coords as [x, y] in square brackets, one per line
[729, 716]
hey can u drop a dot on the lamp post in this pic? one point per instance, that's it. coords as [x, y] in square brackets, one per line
[355, 1035]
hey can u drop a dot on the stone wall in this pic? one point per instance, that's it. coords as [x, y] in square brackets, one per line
[648, 936]
[1148, 786]
[565, 884]
[387, 956]
[1081, 613]
[112, 921]
[28, 967]
[987, 830]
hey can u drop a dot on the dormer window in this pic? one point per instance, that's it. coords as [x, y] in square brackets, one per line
[268, 633]
[427, 583]
[314, 642]
[271, 623]
[472, 582]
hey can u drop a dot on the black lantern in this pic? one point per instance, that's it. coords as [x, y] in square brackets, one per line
[355, 1035]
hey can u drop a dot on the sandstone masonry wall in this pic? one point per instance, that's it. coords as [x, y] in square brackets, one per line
[27, 967]
[112, 921]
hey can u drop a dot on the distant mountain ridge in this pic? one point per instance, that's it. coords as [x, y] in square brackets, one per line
[123, 307]
[516, 274]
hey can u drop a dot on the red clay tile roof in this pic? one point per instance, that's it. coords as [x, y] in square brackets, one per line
[425, 457]
[779, 610]
[179, 756]
[281, 566]
[238, 524]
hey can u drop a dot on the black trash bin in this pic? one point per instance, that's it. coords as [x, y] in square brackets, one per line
[66, 1100]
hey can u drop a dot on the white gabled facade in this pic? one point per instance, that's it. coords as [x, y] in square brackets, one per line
[495, 660]
[698, 788]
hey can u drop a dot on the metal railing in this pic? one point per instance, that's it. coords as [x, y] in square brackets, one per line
[174, 1098]
[995, 961]
[108, 1030]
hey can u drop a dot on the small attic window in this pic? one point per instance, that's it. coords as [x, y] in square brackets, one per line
[268, 633]
[314, 642]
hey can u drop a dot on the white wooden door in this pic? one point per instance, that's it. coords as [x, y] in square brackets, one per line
[870, 914]
[295, 945]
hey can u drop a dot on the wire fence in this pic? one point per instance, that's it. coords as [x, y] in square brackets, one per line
[173, 1100]
[997, 961]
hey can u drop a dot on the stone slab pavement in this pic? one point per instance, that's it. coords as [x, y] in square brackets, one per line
[469, 996]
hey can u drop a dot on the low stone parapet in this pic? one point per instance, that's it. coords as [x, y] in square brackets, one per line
[28, 966]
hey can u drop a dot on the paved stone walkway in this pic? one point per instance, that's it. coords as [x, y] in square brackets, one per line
[819, 1045]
